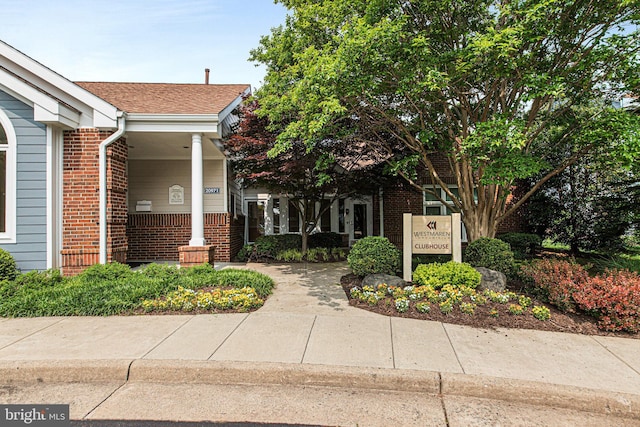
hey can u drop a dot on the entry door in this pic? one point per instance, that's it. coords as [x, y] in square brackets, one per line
[359, 220]
[255, 220]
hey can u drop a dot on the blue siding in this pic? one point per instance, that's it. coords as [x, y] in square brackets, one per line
[30, 249]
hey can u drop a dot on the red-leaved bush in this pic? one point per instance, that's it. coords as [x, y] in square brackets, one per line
[612, 297]
[556, 281]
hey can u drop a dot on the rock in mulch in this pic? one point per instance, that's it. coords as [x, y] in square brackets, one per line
[491, 280]
[376, 280]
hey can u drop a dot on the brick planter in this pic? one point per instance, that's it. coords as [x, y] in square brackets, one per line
[190, 256]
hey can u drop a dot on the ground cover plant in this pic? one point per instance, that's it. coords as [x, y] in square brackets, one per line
[116, 289]
[552, 293]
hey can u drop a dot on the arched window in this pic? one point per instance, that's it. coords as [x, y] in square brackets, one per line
[7, 180]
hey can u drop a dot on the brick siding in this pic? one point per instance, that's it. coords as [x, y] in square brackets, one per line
[157, 236]
[81, 200]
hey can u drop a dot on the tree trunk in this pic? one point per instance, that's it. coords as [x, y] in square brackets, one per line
[479, 226]
[305, 239]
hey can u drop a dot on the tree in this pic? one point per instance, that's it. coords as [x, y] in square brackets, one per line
[585, 206]
[492, 85]
[308, 177]
[590, 205]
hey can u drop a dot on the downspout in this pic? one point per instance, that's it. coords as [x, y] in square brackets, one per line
[102, 165]
[381, 206]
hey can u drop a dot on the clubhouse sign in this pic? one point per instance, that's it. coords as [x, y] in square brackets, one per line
[431, 234]
[428, 234]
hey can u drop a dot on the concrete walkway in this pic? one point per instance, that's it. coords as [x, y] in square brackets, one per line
[304, 354]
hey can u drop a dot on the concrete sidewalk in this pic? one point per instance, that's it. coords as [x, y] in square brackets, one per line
[307, 337]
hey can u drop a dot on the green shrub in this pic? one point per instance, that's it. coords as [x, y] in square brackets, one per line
[102, 272]
[416, 260]
[523, 245]
[245, 253]
[318, 254]
[239, 278]
[290, 255]
[8, 267]
[451, 273]
[372, 255]
[269, 246]
[339, 253]
[325, 240]
[490, 253]
[39, 279]
[161, 271]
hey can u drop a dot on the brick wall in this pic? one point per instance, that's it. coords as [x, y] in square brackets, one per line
[81, 200]
[157, 236]
[399, 198]
[117, 185]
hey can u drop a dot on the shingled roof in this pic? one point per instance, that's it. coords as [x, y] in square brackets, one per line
[166, 98]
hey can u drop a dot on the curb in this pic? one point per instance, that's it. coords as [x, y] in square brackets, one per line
[623, 405]
[230, 372]
[64, 371]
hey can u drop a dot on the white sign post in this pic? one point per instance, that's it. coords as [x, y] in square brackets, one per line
[430, 234]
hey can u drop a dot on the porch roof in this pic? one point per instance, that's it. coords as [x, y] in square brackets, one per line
[167, 98]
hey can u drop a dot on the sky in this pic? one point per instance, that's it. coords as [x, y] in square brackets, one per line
[169, 41]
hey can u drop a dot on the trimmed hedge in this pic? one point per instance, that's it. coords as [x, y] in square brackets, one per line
[374, 255]
[270, 246]
[327, 240]
[451, 273]
[490, 253]
[8, 267]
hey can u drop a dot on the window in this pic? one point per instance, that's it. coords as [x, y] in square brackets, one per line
[433, 206]
[276, 216]
[325, 218]
[341, 216]
[7, 180]
[294, 217]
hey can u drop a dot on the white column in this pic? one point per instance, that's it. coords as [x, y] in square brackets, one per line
[407, 246]
[197, 192]
[456, 237]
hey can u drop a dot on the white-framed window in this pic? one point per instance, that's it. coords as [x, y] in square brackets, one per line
[7, 180]
[431, 205]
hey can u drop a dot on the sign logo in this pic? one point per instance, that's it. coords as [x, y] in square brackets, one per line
[35, 415]
[431, 225]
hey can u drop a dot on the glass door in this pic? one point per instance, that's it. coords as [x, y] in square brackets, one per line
[359, 220]
[255, 220]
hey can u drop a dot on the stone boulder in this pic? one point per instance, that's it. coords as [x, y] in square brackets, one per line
[492, 280]
[376, 280]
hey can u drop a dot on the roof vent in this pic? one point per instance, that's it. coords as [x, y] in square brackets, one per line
[206, 76]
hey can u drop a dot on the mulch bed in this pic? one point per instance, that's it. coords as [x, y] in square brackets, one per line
[575, 323]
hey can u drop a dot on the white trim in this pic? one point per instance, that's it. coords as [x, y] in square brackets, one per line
[54, 196]
[9, 235]
[50, 197]
[57, 85]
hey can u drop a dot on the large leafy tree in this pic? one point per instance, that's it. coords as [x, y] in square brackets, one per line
[492, 85]
[307, 177]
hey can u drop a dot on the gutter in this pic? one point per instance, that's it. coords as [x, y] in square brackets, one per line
[102, 165]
